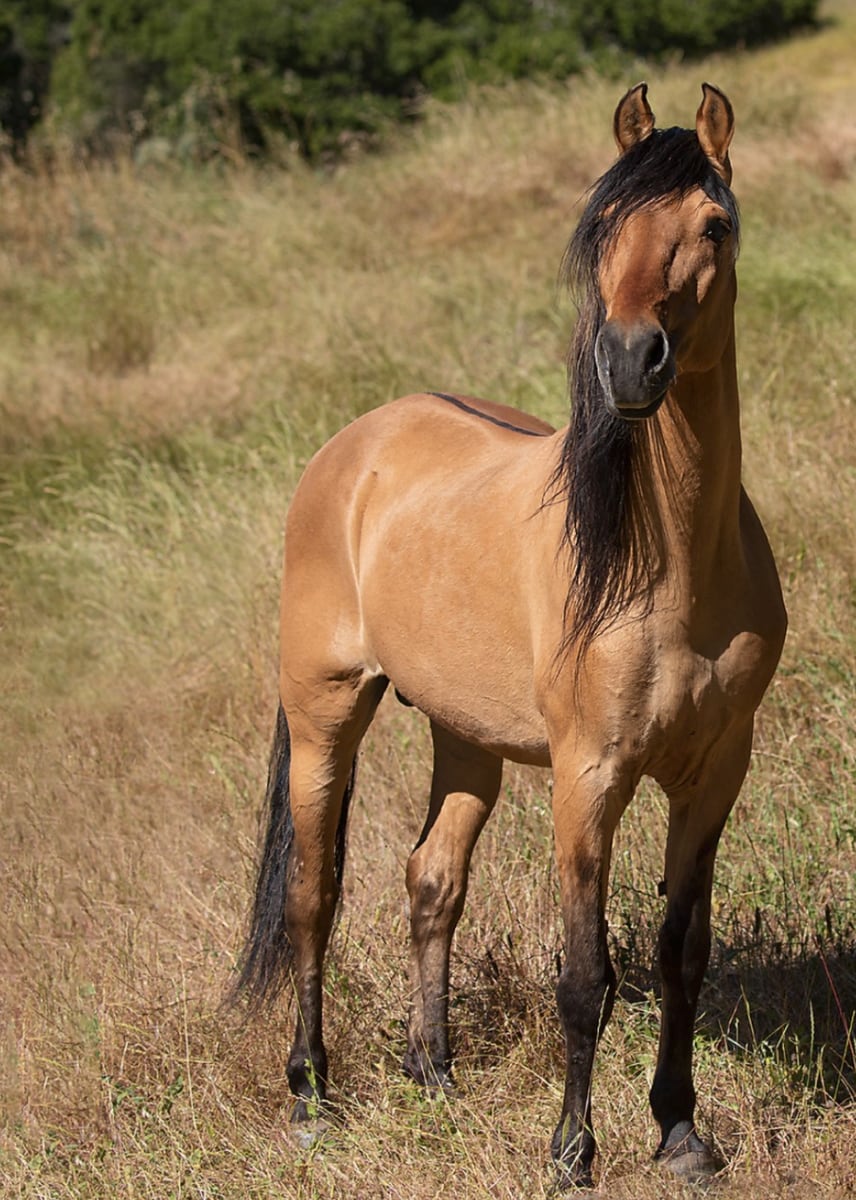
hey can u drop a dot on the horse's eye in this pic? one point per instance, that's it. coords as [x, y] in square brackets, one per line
[717, 230]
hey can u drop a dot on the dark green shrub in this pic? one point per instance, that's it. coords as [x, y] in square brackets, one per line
[322, 72]
[32, 32]
[696, 27]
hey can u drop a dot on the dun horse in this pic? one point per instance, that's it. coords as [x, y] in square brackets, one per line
[600, 600]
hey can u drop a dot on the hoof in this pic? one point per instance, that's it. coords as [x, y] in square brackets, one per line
[577, 1181]
[436, 1080]
[686, 1155]
[573, 1155]
[312, 1124]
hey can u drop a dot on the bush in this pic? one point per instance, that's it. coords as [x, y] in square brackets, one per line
[697, 27]
[31, 34]
[320, 72]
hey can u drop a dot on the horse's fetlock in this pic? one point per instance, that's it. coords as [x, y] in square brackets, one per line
[307, 1077]
[672, 1102]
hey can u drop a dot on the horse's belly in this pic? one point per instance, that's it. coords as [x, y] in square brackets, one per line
[481, 692]
[502, 731]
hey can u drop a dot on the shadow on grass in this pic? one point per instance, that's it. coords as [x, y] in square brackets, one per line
[797, 1008]
[793, 1004]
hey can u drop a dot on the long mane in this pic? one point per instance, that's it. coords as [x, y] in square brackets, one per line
[609, 535]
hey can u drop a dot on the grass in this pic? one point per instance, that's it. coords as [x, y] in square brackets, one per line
[174, 348]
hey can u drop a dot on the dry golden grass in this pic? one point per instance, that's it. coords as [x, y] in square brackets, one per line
[174, 348]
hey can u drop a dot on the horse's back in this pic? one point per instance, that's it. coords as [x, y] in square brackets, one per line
[437, 446]
[501, 415]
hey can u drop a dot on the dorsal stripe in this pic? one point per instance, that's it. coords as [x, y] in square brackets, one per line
[468, 408]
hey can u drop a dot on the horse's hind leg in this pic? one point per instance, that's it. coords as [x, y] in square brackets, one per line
[696, 818]
[464, 789]
[323, 751]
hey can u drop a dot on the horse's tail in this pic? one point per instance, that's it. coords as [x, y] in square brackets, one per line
[268, 952]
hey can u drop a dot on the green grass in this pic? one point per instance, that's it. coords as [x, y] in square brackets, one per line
[175, 346]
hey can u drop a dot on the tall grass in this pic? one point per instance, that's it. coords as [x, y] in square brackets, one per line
[174, 348]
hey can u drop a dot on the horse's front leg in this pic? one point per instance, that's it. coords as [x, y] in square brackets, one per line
[697, 815]
[586, 811]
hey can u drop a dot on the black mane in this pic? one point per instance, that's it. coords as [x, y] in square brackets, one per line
[612, 547]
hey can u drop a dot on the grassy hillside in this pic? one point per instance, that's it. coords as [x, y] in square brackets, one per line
[173, 349]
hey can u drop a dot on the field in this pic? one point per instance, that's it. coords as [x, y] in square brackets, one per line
[174, 347]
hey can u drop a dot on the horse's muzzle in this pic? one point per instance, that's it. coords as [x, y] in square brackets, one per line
[635, 366]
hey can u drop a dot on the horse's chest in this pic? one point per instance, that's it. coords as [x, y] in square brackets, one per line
[694, 698]
[689, 693]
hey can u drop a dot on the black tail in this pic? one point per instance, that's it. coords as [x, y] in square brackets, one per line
[267, 953]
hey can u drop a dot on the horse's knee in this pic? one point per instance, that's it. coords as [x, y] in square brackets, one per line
[684, 948]
[585, 994]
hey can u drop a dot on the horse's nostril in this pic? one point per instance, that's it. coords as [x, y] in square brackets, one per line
[658, 352]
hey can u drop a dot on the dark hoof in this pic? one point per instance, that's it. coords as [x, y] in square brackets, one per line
[574, 1179]
[573, 1155]
[312, 1123]
[436, 1080]
[687, 1156]
[578, 1182]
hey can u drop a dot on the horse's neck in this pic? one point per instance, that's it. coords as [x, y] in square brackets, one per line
[694, 462]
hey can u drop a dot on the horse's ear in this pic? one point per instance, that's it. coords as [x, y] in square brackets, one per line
[633, 120]
[715, 128]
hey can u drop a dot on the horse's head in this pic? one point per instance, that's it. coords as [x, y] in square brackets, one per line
[656, 249]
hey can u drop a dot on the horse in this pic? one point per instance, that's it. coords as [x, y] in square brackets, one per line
[601, 601]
